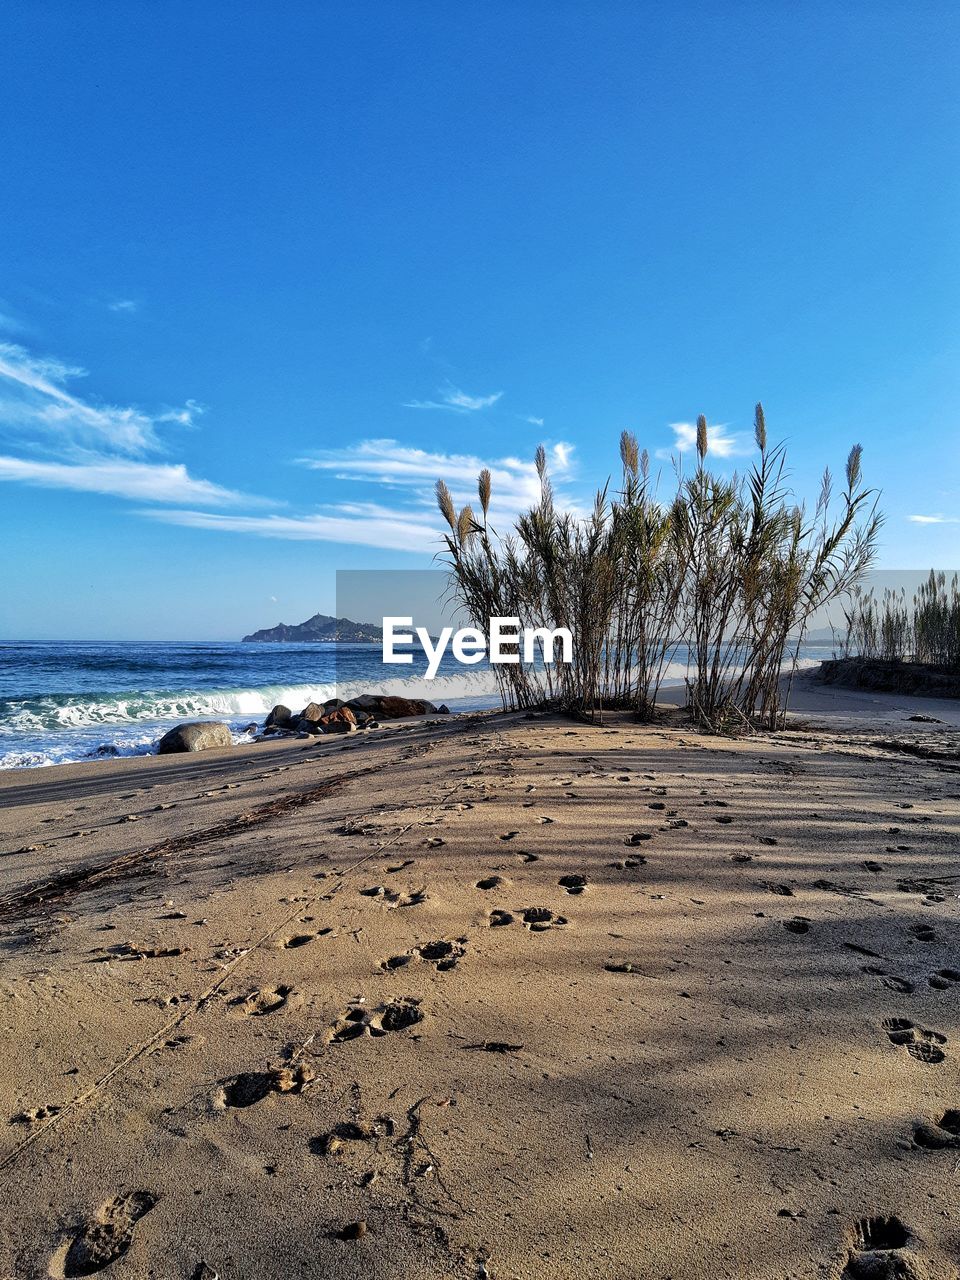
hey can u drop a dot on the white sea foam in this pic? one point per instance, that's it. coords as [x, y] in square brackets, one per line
[48, 730]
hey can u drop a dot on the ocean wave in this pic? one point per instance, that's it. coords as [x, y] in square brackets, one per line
[33, 715]
[42, 731]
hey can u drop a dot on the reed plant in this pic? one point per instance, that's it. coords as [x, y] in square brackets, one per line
[925, 629]
[722, 574]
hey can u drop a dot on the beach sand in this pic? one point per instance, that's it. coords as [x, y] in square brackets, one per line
[493, 997]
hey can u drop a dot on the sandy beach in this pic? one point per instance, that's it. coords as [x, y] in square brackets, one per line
[496, 997]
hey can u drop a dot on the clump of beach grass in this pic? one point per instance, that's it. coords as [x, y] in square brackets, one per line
[925, 629]
[725, 570]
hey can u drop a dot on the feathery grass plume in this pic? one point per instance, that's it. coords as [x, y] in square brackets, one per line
[541, 461]
[484, 482]
[629, 453]
[702, 437]
[445, 503]
[853, 466]
[760, 427]
[465, 525]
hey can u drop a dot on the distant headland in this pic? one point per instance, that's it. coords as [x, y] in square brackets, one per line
[318, 628]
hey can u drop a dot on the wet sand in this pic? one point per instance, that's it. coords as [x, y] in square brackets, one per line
[497, 997]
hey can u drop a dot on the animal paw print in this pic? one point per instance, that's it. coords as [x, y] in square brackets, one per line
[573, 884]
[253, 1086]
[539, 919]
[359, 1021]
[498, 918]
[918, 1041]
[442, 954]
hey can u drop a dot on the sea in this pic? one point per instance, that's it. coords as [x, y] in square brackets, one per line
[64, 702]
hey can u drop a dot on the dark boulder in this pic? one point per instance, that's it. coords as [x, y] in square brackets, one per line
[199, 735]
[312, 711]
[280, 717]
[387, 707]
[340, 721]
[310, 728]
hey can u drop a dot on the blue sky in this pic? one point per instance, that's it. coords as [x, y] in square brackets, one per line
[267, 270]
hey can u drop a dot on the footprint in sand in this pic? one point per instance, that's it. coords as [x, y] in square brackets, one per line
[36, 1114]
[498, 918]
[638, 837]
[253, 1086]
[443, 954]
[923, 933]
[509, 835]
[108, 1236]
[573, 884]
[328, 1144]
[782, 890]
[944, 978]
[359, 1021]
[539, 919]
[799, 924]
[296, 940]
[268, 1000]
[529, 857]
[876, 1250]
[944, 1132]
[490, 882]
[890, 980]
[392, 899]
[918, 1041]
[628, 864]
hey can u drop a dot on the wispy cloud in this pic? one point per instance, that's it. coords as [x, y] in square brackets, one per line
[409, 521]
[124, 306]
[938, 519]
[121, 478]
[396, 466]
[56, 439]
[455, 400]
[368, 526]
[534, 422]
[720, 442]
[34, 401]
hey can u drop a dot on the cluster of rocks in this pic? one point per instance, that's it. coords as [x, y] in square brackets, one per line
[337, 716]
[332, 716]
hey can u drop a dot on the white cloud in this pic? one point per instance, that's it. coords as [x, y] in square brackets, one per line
[56, 439]
[455, 400]
[534, 422]
[124, 305]
[33, 400]
[409, 523]
[370, 526]
[387, 462]
[720, 442]
[121, 478]
[938, 519]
